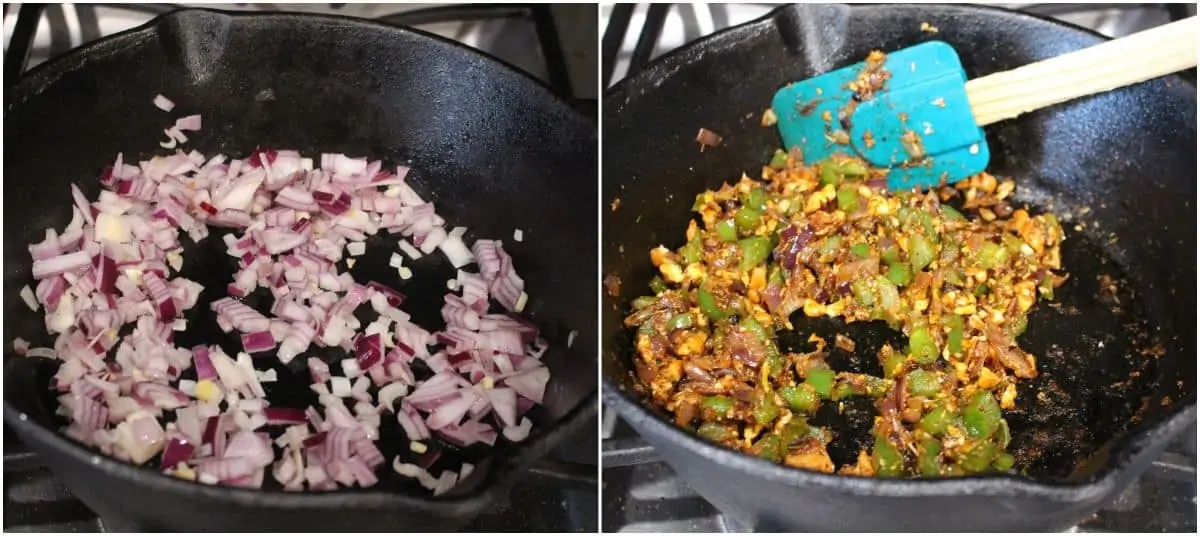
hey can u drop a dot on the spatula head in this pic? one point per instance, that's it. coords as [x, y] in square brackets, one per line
[919, 125]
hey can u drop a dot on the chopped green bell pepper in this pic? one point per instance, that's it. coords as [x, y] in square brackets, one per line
[679, 321]
[937, 420]
[802, 398]
[887, 459]
[821, 381]
[981, 416]
[718, 404]
[755, 250]
[727, 230]
[708, 305]
[922, 346]
[924, 383]
[920, 252]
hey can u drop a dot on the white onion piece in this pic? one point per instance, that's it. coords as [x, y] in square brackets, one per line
[519, 432]
[163, 103]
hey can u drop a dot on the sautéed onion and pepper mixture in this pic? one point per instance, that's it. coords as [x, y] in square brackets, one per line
[829, 240]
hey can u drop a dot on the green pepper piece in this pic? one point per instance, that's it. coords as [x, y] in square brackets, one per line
[754, 251]
[887, 459]
[765, 409]
[990, 255]
[679, 321]
[1046, 287]
[893, 364]
[716, 432]
[937, 420]
[891, 253]
[829, 173]
[647, 328]
[829, 245]
[779, 159]
[692, 251]
[821, 380]
[768, 448]
[773, 360]
[708, 305]
[955, 339]
[1003, 434]
[1017, 327]
[875, 388]
[802, 398]
[889, 295]
[899, 274]
[924, 383]
[922, 346]
[950, 213]
[776, 275]
[914, 216]
[847, 199]
[727, 230]
[747, 219]
[658, 285]
[718, 404]
[757, 199]
[863, 292]
[861, 250]
[953, 277]
[929, 456]
[1012, 244]
[982, 289]
[795, 429]
[642, 302]
[1004, 462]
[920, 252]
[981, 416]
[852, 168]
[752, 325]
[978, 458]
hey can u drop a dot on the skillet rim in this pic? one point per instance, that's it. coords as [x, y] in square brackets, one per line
[1134, 445]
[506, 471]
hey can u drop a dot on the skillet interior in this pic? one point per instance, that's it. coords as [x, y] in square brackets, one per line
[1128, 157]
[490, 147]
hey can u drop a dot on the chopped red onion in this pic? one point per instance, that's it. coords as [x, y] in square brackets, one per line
[163, 103]
[258, 342]
[113, 265]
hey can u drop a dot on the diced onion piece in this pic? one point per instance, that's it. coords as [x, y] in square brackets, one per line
[163, 103]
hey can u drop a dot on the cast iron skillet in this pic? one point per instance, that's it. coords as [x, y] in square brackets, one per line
[494, 149]
[1129, 157]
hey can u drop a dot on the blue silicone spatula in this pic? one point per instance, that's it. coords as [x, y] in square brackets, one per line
[916, 114]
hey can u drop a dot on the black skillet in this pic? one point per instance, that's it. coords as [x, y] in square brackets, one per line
[494, 149]
[1108, 407]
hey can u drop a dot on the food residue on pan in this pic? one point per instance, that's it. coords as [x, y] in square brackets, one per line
[769, 118]
[707, 138]
[928, 28]
[616, 203]
[612, 285]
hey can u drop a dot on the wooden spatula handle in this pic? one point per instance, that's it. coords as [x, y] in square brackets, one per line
[1135, 58]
